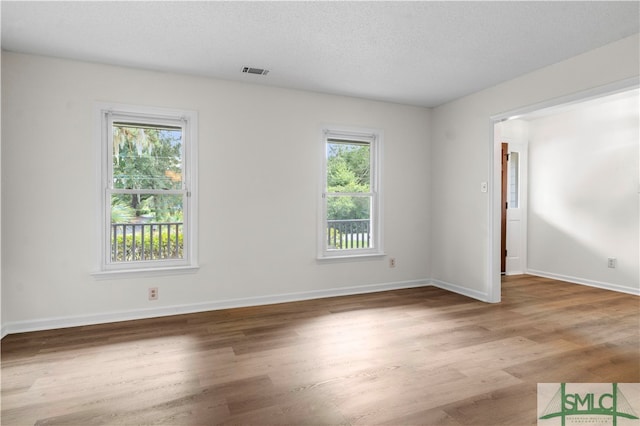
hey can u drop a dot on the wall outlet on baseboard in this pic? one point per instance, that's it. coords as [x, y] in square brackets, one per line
[611, 262]
[153, 293]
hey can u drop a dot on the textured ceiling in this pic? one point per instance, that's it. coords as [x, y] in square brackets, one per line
[419, 53]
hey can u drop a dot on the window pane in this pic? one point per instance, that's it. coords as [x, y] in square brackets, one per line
[514, 176]
[146, 227]
[147, 157]
[348, 166]
[348, 222]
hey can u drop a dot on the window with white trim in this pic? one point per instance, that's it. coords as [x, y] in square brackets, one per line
[350, 222]
[148, 189]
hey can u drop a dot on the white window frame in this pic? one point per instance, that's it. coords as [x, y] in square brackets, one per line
[105, 116]
[375, 139]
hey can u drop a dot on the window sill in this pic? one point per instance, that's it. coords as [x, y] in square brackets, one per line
[350, 257]
[146, 272]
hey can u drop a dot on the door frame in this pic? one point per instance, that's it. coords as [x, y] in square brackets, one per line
[504, 182]
[494, 284]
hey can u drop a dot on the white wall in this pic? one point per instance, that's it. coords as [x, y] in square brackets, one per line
[259, 162]
[583, 193]
[464, 255]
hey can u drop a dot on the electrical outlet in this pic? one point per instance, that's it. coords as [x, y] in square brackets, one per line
[153, 293]
[392, 262]
[611, 262]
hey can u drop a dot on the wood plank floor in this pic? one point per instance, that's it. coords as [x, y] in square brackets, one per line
[416, 356]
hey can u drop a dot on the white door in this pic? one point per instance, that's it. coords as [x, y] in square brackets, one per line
[516, 209]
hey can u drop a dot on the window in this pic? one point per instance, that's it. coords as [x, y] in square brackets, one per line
[148, 189]
[514, 178]
[350, 209]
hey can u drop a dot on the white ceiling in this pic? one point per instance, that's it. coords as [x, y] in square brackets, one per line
[419, 53]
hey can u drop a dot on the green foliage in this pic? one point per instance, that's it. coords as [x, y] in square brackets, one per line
[348, 171]
[347, 207]
[165, 245]
[155, 208]
[335, 238]
[349, 167]
[121, 212]
[147, 158]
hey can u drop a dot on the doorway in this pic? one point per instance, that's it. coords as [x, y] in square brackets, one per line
[513, 178]
[496, 205]
[503, 206]
[513, 199]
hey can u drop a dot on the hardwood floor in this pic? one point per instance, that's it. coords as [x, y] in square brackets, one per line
[416, 356]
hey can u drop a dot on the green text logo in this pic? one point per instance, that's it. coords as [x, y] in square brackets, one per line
[587, 400]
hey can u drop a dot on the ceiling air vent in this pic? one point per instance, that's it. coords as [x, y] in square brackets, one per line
[259, 71]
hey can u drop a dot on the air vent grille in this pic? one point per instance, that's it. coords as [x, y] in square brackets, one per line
[251, 70]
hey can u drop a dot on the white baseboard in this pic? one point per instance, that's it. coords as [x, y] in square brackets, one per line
[474, 294]
[81, 320]
[583, 281]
